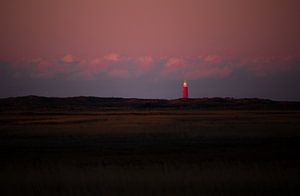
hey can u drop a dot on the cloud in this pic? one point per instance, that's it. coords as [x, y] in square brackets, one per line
[47, 67]
[175, 63]
[196, 68]
[90, 69]
[113, 65]
[112, 57]
[218, 66]
[213, 59]
[125, 67]
[144, 65]
[69, 58]
[145, 60]
[41, 67]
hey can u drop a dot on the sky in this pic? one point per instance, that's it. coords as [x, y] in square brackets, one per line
[147, 48]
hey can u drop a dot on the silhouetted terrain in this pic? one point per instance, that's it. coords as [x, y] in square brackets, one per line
[48, 104]
[115, 146]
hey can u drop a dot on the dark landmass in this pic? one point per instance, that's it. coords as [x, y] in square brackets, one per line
[77, 104]
[115, 146]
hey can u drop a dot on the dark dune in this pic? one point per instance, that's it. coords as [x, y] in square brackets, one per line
[48, 104]
[117, 146]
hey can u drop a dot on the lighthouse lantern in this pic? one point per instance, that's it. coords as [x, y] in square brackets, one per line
[185, 90]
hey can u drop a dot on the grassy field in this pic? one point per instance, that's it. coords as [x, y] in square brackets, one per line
[150, 153]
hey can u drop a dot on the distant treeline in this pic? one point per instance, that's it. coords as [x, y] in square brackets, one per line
[77, 104]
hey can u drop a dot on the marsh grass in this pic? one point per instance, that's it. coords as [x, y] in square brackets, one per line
[150, 153]
[209, 178]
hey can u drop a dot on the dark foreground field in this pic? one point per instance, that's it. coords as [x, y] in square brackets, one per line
[150, 153]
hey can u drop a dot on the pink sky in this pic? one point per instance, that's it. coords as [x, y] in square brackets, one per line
[158, 27]
[180, 39]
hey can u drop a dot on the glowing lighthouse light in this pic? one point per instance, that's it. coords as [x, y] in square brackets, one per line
[185, 90]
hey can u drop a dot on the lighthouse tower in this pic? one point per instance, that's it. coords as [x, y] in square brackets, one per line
[185, 94]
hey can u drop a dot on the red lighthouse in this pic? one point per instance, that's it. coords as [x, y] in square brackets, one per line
[185, 94]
